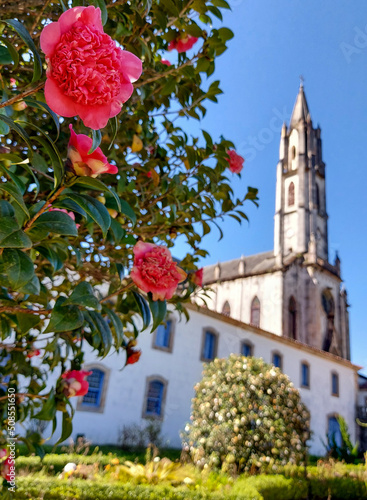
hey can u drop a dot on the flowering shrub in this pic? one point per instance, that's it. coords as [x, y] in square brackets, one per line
[88, 221]
[246, 414]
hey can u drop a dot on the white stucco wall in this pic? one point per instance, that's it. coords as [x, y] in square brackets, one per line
[182, 369]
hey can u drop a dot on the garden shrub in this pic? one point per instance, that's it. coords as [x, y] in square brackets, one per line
[246, 414]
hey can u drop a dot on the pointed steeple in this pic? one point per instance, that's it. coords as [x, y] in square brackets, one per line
[300, 110]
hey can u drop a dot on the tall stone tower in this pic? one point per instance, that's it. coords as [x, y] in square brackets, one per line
[300, 215]
[315, 308]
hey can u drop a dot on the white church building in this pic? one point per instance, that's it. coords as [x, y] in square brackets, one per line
[287, 306]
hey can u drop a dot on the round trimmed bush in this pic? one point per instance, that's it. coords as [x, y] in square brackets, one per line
[246, 414]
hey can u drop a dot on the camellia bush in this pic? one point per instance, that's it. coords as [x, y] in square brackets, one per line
[246, 415]
[98, 178]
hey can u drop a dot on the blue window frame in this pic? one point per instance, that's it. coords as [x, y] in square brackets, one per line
[247, 349]
[154, 399]
[305, 375]
[210, 346]
[277, 360]
[334, 434]
[335, 384]
[163, 335]
[94, 394]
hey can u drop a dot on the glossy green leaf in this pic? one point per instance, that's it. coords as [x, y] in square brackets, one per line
[25, 36]
[52, 256]
[97, 139]
[143, 309]
[83, 295]
[20, 130]
[104, 331]
[13, 52]
[44, 107]
[27, 321]
[64, 318]
[33, 287]
[95, 209]
[128, 211]
[18, 267]
[118, 329]
[96, 184]
[67, 427]
[118, 231]
[48, 410]
[159, 310]
[5, 56]
[53, 152]
[11, 236]
[56, 222]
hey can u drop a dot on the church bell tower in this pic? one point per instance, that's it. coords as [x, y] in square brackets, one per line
[300, 214]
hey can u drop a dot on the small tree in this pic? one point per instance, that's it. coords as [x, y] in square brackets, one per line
[246, 414]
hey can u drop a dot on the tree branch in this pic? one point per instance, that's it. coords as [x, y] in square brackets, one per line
[23, 94]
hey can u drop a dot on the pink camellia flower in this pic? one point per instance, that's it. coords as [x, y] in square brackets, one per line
[13, 82]
[87, 74]
[166, 62]
[182, 43]
[235, 162]
[154, 271]
[197, 277]
[34, 352]
[83, 163]
[5, 464]
[74, 383]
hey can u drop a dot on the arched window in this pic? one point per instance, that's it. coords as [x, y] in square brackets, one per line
[292, 318]
[97, 385]
[163, 336]
[334, 434]
[209, 346]
[277, 360]
[154, 397]
[317, 194]
[328, 305]
[226, 309]
[291, 194]
[247, 348]
[255, 312]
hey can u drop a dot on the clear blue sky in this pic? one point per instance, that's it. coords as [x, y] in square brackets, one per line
[274, 43]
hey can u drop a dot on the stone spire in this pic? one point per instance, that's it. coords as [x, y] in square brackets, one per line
[300, 110]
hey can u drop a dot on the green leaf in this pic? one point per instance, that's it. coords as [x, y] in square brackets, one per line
[49, 254]
[118, 328]
[225, 34]
[83, 295]
[18, 268]
[56, 222]
[143, 308]
[115, 124]
[95, 209]
[48, 410]
[64, 318]
[20, 130]
[44, 107]
[118, 231]
[67, 427]
[4, 128]
[159, 311]
[25, 36]
[27, 321]
[128, 211]
[194, 30]
[101, 4]
[97, 139]
[103, 329]
[11, 236]
[5, 56]
[33, 287]
[13, 52]
[96, 184]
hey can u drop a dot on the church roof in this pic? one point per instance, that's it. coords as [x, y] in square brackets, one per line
[259, 263]
[300, 110]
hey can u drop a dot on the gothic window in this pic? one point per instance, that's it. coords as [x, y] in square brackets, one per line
[291, 194]
[317, 201]
[292, 318]
[329, 309]
[226, 309]
[163, 337]
[334, 434]
[334, 384]
[154, 397]
[209, 346]
[255, 312]
[97, 386]
[305, 375]
[247, 349]
[277, 360]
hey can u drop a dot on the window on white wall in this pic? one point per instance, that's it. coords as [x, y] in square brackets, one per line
[163, 336]
[305, 375]
[155, 395]
[277, 360]
[291, 194]
[97, 386]
[209, 346]
[255, 312]
[247, 349]
[334, 384]
[334, 434]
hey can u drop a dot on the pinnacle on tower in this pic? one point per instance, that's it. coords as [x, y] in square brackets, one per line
[300, 110]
